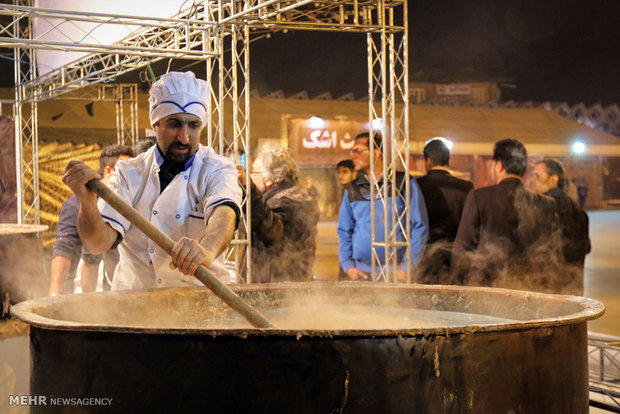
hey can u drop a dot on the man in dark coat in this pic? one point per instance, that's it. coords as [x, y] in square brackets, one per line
[444, 196]
[549, 178]
[508, 234]
[284, 219]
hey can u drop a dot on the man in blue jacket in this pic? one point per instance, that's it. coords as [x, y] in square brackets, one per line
[354, 223]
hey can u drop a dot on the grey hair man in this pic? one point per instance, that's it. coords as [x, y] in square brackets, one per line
[284, 219]
[184, 188]
[144, 144]
[549, 177]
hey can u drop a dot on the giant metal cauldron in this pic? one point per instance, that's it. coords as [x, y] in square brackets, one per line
[132, 347]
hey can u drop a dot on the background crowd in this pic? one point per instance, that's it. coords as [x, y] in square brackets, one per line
[505, 234]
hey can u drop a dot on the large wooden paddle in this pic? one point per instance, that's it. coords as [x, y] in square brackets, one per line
[162, 240]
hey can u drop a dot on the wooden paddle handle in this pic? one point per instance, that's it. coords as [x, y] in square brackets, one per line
[162, 240]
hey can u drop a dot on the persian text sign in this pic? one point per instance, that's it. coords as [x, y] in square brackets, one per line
[320, 141]
[453, 89]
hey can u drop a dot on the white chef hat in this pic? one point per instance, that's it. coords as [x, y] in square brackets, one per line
[178, 92]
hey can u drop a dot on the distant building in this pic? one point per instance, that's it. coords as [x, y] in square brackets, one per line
[319, 133]
[454, 93]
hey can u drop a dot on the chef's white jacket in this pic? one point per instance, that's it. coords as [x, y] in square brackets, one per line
[182, 209]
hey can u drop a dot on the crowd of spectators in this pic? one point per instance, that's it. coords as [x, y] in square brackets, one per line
[504, 235]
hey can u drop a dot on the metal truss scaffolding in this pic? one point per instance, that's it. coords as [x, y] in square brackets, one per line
[25, 113]
[218, 33]
[126, 98]
[604, 363]
[387, 92]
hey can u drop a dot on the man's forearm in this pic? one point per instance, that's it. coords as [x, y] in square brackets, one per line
[88, 277]
[96, 235]
[58, 273]
[220, 230]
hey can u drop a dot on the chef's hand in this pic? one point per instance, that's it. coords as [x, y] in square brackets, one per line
[401, 275]
[187, 254]
[354, 273]
[76, 175]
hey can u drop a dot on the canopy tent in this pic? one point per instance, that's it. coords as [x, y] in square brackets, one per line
[107, 32]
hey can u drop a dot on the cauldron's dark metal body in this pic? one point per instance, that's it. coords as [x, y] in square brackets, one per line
[535, 365]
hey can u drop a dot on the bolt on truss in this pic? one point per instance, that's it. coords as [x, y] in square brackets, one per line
[218, 33]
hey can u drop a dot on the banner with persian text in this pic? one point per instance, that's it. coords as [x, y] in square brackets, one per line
[322, 141]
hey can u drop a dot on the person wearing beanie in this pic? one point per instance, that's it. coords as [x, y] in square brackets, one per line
[182, 187]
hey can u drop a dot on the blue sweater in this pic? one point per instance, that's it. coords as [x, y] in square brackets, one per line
[354, 225]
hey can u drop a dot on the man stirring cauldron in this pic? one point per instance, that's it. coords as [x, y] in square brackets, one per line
[184, 188]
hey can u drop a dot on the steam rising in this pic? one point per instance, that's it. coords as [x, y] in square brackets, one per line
[529, 260]
[299, 307]
[21, 266]
[285, 253]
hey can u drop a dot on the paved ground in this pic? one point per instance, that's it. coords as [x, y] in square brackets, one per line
[602, 274]
[602, 278]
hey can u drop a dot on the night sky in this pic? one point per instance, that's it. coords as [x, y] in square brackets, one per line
[540, 50]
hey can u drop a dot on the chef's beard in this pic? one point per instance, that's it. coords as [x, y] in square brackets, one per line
[177, 157]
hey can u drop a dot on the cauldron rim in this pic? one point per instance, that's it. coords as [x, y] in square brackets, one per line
[590, 309]
[21, 228]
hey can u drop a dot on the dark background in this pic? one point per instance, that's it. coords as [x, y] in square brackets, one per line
[540, 50]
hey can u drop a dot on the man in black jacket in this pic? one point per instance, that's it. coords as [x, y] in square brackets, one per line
[444, 196]
[549, 178]
[508, 235]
